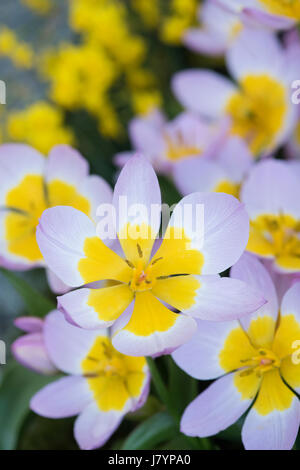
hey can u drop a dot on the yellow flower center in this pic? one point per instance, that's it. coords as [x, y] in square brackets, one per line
[228, 187]
[258, 111]
[26, 203]
[290, 8]
[143, 278]
[106, 362]
[277, 236]
[178, 148]
[113, 377]
[264, 361]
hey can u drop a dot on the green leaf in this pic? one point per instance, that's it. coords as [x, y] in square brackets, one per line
[179, 381]
[151, 406]
[40, 433]
[152, 432]
[36, 303]
[17, 387]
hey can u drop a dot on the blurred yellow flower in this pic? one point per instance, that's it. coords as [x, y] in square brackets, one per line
[145, 101]
[39, 6]
[40, 125]
[182, 16]
[20, 53]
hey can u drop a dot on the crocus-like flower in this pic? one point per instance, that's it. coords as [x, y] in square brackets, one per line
[260, 106]
[273, 14]
[256, 358]
[181, 273]
[101, 387]
[222, 171]
[165, 144]
[271, 195]
[30, 349]
[219, 28]
[29, 184]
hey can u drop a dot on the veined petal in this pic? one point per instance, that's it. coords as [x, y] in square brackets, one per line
[178, 291]
[63, 398]
[219, 406]
[94, 427]
[137, 202]
[273, 422]
[67, 238]
[260, 326]
[203, 91]
[219, 347]
[66, 344]
[207, 233]
[223, 299]
[96, 308]
[152, 328]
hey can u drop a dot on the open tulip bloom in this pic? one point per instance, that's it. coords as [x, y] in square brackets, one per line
[271, 195]
[258, 359]
[150, 282]
[260, 104]
[29, 183]
[272, 14]
[167, 143]
[102, 385]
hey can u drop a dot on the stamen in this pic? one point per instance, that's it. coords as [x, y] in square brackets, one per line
[90, 375]
[156, 260]
[262, 352]
[246, 372]
[92, 358]
[129, 263]
[140, 252]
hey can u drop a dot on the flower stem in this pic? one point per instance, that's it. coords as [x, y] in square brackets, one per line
[162, 391]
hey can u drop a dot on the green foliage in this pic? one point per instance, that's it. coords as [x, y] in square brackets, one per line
[154, 431]
[36, 304]
[17, 387]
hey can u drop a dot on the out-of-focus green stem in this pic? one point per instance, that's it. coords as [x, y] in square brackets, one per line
[162, 391]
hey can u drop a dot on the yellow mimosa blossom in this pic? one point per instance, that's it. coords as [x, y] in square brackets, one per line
[20, 53]
[40, 125]
[39, 6]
